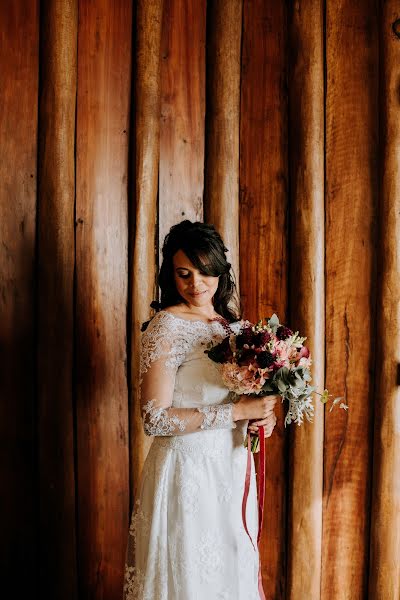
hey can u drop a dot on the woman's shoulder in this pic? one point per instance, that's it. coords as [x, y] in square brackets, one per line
[164, 322]
[161, 320]
[172, 320]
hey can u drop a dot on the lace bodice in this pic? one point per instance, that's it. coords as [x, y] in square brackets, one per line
[180, 387]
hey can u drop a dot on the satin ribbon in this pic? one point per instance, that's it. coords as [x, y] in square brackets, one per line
[261, 495]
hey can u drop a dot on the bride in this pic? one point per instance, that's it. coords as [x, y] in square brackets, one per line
[186, 538]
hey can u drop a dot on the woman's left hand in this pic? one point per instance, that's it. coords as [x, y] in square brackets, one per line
[268, 424]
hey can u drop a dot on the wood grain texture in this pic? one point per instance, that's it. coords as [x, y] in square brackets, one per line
[19, 56]
[147, 151]
[307, 288]
[56, 257]
[263, 232]
[384, 580]
[104, 74]
[351, 194]
[221, 193]
[181, 178]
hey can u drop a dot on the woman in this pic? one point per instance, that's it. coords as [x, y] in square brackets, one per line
[186, 540]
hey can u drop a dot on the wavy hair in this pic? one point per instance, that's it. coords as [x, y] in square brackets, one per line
[205, 249]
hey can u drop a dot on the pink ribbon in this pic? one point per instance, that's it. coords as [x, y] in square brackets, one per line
[261, 496]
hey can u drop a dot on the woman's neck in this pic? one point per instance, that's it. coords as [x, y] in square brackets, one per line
[205, 312]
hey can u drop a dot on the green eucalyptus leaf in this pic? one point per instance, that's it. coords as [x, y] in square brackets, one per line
[281, 385]
[267, 387]
[273, 323]
[274, 320]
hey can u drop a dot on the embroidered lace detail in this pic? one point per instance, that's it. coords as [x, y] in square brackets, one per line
[133, 583]
[210, 556]
[157, 562]
[139, 521]
[199, 445]
[217, 417]
[163, 328]
[225, 493]
[189, 494]
[156, 420]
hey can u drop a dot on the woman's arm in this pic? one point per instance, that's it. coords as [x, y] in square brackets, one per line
[162, 351]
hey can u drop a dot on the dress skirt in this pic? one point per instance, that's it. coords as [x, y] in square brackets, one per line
[186, 538]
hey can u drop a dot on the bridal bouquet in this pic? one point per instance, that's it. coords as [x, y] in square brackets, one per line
[269, 358]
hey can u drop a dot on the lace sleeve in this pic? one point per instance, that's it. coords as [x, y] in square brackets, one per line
[163, 349]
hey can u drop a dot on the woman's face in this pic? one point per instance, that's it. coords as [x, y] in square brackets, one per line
[194, 287]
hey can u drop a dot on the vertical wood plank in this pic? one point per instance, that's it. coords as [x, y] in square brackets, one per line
[221, 194]
[351, 192]
[181, 176]
[263, 231]
[147, 150]
[104, 73]
[19, 55]
[307, 293]
[384, 581]
[56, 256]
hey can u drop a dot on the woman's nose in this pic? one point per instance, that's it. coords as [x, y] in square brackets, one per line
[196, 279]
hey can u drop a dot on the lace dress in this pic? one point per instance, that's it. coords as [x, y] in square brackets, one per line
[186, 538]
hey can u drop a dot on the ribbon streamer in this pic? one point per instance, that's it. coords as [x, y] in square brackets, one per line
[261, 496]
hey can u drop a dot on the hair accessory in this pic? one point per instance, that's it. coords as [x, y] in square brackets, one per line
[156, 305]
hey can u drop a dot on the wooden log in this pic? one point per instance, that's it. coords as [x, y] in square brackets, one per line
[56, 258]
[221, 193]
[103, 103]
[351, 192]
[181, 176]
[147, 149]
[384, 580]
[19, 51]
[307, 293]
[263, 231]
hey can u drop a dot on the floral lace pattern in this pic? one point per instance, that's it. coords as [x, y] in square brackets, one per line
[163, 421]
[210, 556]
[225, 493]
[162, 328]
[216, 417]
[134, 583]
[158, 422]
[189, 496]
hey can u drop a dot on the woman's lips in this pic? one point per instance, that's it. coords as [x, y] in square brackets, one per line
[198, 293]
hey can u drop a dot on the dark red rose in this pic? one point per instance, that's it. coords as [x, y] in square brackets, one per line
[246, 358]
[222, 352]
[262, 338]
[265, 359]
[246, 336]
[282, 333]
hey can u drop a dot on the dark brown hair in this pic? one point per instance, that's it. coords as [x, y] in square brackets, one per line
[204, 247]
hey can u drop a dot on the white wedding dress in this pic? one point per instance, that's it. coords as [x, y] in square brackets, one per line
[186, 539]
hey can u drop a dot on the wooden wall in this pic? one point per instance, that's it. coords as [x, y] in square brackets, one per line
[276, 121]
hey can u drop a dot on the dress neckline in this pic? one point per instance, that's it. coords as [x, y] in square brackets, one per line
[211, 322]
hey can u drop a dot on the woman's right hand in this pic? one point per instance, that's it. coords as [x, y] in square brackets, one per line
[254, 408]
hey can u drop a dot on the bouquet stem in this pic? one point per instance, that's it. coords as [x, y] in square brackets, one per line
[255, 443]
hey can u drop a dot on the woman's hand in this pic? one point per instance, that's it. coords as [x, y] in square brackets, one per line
[251, 408]
[268, 424]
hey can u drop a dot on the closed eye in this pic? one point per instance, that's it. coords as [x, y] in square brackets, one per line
[187, 275]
